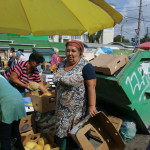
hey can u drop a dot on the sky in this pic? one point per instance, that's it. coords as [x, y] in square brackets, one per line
[130, 10]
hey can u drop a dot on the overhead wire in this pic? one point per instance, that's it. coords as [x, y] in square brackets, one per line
[133, 6]
[137, 18]
[128, 9]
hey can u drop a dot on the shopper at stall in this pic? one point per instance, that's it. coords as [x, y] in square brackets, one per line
[26, 71]
[12, 56]
[12, 109]
[55, 60]
[20, 56]
[75, 82]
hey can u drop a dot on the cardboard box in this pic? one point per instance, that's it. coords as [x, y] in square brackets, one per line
[27, 133]
[26, 123]
[108, 64]
[43, 104]
[50, 130]
[117, 122]
[31, 137]
[47, 121]
[110, 137]
[89, 55]
[28, 94]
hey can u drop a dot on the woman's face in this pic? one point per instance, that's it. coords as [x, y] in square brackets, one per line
[33, 64]
[72, 54]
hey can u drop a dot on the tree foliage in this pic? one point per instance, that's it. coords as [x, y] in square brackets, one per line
[118, 39]
[95, 37]
[146, 38]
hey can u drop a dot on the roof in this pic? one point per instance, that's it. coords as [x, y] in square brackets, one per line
[96, 45]
[19, 42]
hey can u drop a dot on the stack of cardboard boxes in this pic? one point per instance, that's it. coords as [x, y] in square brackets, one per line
[40, 116]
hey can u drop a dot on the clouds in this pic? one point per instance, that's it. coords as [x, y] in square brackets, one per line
[130, 11]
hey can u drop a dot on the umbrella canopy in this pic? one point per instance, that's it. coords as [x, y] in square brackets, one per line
[145, 46]
[56, 17]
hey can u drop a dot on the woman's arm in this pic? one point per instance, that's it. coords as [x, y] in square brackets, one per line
[91, 84]
[42, 88]
[14, 79]
[12, 55]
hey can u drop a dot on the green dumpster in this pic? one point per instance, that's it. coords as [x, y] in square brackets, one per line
[129, 90]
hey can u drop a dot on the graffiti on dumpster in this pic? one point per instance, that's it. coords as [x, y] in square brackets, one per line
[138, 79]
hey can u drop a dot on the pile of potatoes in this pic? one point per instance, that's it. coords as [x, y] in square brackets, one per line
[42, 144]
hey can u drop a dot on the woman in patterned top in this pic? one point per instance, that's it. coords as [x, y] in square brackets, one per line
[26, 71]
[75, 82]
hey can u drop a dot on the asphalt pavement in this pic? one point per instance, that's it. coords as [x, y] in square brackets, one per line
[140, 142]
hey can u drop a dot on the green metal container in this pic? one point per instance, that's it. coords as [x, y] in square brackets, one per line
[129, 90]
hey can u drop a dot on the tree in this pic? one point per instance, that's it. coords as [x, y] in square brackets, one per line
[145, 39]
[118, 38]
[92, 38]
[95, 37]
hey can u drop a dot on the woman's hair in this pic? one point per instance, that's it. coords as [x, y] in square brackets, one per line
[56, 50]
[37, 57]
[12, 49]
[21, 50]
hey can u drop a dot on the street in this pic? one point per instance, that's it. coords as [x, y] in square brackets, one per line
[140, 142]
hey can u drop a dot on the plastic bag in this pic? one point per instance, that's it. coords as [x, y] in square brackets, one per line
[128, 130]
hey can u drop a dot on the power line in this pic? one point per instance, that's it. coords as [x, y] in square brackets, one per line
[138, 19]
[133, 6]
[129, 33]
[129, 10]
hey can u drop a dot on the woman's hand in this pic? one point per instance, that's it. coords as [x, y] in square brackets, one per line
[28, 87]
[92, 111]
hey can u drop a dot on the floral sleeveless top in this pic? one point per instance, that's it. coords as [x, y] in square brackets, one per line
[71, 97]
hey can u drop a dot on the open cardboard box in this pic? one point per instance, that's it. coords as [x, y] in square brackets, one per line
[27, 133]
[117, 122]
[27, 123]
[108, 64]
[28, 94]
[44, 103]
[35, 138]
[110, 137]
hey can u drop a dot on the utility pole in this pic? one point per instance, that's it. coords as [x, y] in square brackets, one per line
[121, 33]
[139, 22]
[147, 35]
